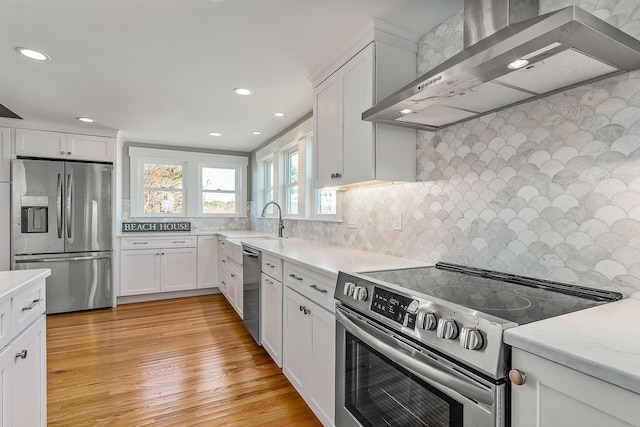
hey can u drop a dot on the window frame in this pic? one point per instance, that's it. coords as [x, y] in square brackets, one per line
[202, 191]
[287, 185]
[192, 194]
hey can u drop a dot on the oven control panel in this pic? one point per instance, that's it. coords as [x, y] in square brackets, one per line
[396, 307]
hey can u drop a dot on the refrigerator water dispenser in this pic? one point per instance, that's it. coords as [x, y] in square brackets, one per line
[34, 212]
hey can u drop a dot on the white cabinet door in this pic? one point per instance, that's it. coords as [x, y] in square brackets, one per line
[328, 146]
[178, 269]
[5, 225]
[6, 386]
[30, 376]
[357, 89]
[207, 261]
[271, 317]
[556, 396]
[236, 287]
[93, 148]
[322, 387]
[40, 143]
[296, 341]
[139, 272]
[5, 154]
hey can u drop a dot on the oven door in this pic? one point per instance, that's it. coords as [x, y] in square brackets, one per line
[385, 380]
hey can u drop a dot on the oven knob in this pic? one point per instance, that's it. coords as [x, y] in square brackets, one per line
[348, 288]
[447, 329]
[470, 338]
[413, 307]
[360, 293]
[427, 320]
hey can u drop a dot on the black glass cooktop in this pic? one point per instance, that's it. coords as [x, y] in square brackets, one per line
[506, 296]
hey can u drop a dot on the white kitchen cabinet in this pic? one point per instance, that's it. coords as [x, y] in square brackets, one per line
[5, 225]
[349, 150]
[230, 273]
[162, 264]
[235, 288]
[207, 262]
[223, 268]
[309, 353]
[557, 396]
[30, 376]
[5, 154]
[271, 306]
[23, 357]
[58, 145]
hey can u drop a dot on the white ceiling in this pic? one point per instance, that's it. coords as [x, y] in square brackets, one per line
[163, 71]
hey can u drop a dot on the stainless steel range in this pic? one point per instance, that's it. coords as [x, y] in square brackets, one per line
[423, 346]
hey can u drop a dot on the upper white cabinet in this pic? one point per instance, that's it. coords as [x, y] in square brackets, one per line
[5, 154]
[556, 396]
[349, 150]
[57, 145]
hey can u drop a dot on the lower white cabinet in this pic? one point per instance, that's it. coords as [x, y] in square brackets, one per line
[557, 396]
[309, 353]
[235, 286]
[230, 273]
[271, 317]
[30, 376]
[207, 262]
[160, 265]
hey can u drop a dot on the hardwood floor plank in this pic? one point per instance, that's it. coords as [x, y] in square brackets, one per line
[182, 362]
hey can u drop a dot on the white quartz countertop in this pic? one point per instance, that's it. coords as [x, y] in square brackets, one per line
[602, 341]
[329, 259]
[12, 282]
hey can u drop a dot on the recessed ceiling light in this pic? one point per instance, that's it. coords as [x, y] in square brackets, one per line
[33, 54]
[257, 133]
[406, 111]
[278, 114]
[85, 119]
[242, 91]
[215, 134]
[518, 63]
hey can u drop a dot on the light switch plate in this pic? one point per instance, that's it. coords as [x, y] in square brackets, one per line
[397, 221]
[351, 223]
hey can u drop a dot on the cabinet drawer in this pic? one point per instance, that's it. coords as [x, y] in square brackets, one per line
[158, 242]
[5, 323]
[317, 287]
[234, 265]
[272, 266]
[234, 252]
[27, 306]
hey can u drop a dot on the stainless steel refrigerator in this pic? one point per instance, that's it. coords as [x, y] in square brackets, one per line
[61, 219]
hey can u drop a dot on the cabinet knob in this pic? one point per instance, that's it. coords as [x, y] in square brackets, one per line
[69, 152]
[338, 175]
[62, 152]
[517, 377]
[22, 354]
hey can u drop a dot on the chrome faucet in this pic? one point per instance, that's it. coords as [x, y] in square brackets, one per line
[280, 223]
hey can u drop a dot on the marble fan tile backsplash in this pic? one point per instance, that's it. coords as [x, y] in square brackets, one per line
[550, 188]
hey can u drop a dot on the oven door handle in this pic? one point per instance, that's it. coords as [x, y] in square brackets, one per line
[418, 367]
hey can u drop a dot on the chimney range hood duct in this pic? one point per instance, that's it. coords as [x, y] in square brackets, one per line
[560, 50]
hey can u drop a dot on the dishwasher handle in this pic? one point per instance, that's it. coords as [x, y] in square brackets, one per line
[250, 253]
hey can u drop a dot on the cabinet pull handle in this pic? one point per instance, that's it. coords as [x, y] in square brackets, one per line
[306, 310]
[517, 377]
[69, 152]
[140, 243]
[233, 275]
[22, 355]
[322, 291]
[223, 282]
[179, 241]
[31, 306]
[223, 260]
[270, 265]
[296, 277]
[300, 307]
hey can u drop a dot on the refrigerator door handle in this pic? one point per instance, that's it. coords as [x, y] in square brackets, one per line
[68, 205]
[78, 258]
[59, 206]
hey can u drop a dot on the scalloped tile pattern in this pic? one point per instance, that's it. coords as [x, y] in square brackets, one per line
[550, 188]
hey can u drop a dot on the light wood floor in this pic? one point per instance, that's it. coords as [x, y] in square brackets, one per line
[182, 362]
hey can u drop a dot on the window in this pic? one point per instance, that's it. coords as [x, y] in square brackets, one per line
[163, 187]
[218, 190]
[326, 201]
[291, 183]
[181, 183]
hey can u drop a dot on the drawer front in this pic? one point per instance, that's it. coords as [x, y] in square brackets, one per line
[234, 265]
[5, 323]
[158, 242]
[317, 287]
[272, 266]
[234, 252]
[27, 306]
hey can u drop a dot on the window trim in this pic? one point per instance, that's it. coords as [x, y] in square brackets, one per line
[192, 202]
[201, 191]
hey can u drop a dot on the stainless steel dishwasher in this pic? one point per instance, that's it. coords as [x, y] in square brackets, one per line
[251, 265]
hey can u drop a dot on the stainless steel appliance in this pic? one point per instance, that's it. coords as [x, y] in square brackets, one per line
[251, 265]
[511, 55]
[423, 347]
[61, 219]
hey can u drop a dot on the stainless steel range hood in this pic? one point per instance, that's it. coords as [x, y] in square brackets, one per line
[562, 49]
